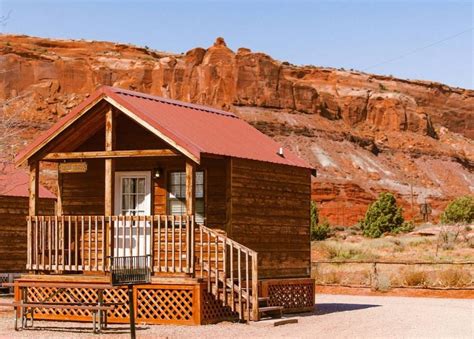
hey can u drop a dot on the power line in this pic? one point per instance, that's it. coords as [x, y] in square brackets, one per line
[418, 49]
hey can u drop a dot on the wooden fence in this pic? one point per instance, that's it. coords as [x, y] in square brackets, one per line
[462, 271]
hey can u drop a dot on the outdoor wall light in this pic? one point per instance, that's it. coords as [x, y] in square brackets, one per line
[157, 173]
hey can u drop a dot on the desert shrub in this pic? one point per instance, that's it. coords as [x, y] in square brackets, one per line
[383, 283]
[319, 231]
[415, 278]
[382, 216]
[447, 238]
[455, 277]
[460, 210]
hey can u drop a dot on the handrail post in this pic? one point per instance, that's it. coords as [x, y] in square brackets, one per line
[255, 314]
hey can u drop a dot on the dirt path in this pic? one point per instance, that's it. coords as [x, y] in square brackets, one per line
[336, 316]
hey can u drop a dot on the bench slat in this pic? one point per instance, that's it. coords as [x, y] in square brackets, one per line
[59, 306]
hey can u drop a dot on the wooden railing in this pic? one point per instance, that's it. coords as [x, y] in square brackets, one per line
[85, 243]
[230, 270]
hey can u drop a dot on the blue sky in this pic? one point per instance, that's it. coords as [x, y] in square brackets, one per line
[401, 38]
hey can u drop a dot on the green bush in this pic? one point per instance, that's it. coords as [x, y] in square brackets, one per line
[461, 210]
[383, 216]
[318, 231]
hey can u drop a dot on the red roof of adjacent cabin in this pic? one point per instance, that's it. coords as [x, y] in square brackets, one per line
[15, 182]
[195, 128]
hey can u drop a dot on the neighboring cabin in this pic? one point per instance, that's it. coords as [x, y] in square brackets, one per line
[13, 212]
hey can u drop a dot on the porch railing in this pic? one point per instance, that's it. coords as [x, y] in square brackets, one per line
[85, 243]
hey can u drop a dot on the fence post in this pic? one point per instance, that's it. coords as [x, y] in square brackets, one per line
[374, 278]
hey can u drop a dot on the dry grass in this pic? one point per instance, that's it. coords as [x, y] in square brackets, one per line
[455, 277]
[415, 278]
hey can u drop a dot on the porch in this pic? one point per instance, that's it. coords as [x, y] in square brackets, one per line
[178, 249]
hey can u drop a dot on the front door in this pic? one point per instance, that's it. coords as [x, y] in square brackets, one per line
[132, 198]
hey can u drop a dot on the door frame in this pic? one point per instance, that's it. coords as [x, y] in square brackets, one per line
[118, 189]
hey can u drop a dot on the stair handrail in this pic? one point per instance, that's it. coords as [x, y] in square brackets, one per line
[250, 296]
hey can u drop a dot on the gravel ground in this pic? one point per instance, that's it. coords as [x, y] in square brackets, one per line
[336, 316]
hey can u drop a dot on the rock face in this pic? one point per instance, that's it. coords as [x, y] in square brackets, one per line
[364, 133]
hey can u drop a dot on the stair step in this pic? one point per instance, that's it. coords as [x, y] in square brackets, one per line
[270, 309]
[261, 299]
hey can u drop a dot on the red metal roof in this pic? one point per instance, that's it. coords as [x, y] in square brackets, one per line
[15, 182]
[194, 128]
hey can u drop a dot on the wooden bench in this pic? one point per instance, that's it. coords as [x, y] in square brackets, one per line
[32, 305]
[99, 309]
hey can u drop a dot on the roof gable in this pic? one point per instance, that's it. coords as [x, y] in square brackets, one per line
[192, 129]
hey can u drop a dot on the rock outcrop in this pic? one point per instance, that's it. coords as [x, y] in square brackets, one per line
[364, 133]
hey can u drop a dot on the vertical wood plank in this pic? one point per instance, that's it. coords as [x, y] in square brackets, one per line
[173, 244]
[231, 261]
[109, 163]
[104, 242]
[69, 255]
[59, 197]
[96, 263]
[76, 244]
[43, 242]
[255, 314]
[56, 240]
[83, 242]
[159, 243]
[190, 187]
[34, 188]
[63, 243]
[247, 284]
[180, 242]
[28, 243]
[201, 244]
[239, 274]
[216, 262]
[191, 243]
[166, 243]
[89, 257]
[50, 244]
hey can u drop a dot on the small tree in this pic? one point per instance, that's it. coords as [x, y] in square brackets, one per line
[318, 231]
[460, 210]
[382, 216]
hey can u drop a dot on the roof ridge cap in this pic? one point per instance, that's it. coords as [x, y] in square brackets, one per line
[185, 104]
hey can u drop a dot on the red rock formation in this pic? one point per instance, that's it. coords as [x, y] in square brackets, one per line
[364, 133]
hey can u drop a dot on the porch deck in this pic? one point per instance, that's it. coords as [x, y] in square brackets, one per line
[181, 251]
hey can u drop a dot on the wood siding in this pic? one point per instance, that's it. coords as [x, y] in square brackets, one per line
[13, 212]
[270, 212]
[83, 193]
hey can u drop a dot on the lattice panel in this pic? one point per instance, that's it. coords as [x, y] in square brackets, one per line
[69, 295]
[292, 295]
[213, 310]
[165, 305]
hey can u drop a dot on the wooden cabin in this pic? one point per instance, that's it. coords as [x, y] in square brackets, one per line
[14, 204]
[222, 210]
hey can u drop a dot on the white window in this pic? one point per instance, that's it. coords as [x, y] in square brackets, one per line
[177, 195]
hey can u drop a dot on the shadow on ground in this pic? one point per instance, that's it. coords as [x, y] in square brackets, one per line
[328, 308]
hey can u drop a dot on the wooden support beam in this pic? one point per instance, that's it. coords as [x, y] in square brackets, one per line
[190, 187]
[59, 198]
[34, 188]
[109, 163]
[110, 154]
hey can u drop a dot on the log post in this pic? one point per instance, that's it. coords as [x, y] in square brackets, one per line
[190, 187]
[34, 188]
[109, 163]
[59, 198]
[109, 181]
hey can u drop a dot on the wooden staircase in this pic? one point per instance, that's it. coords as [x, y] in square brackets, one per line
[231, 272]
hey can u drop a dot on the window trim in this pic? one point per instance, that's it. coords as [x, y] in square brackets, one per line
[168, 191]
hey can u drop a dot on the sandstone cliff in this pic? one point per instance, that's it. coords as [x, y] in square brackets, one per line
[364, 133]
